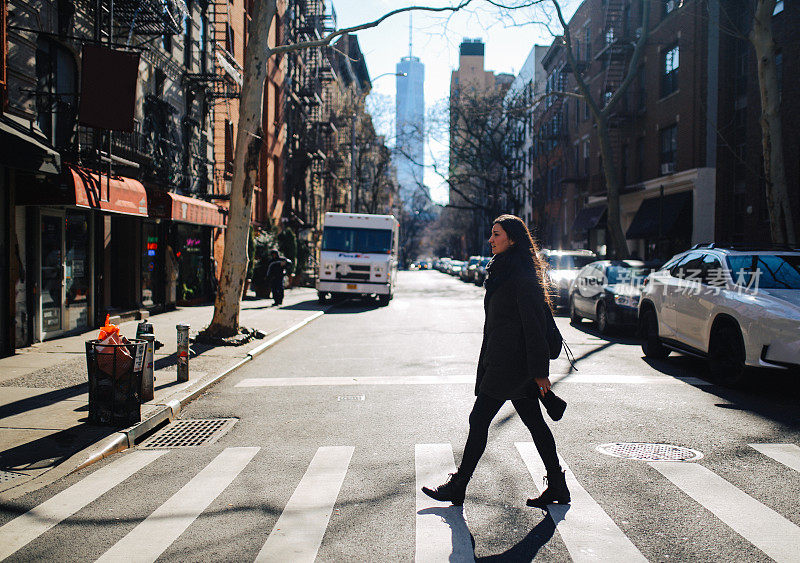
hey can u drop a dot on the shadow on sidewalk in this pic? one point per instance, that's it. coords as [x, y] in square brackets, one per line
[42, 400]
[52, 449]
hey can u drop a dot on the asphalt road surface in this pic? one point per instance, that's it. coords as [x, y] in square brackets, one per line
[339, 424]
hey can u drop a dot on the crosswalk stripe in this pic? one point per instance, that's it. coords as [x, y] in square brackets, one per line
[588, 532]
[760, 525]
[441, 532]
[453, 379]
[30, 525]
[148, 540]
[787, 454]
[301, 526]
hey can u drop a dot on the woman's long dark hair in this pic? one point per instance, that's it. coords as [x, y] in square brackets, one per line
[525, 244]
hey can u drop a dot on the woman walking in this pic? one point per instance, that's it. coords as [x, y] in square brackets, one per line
[514, 360]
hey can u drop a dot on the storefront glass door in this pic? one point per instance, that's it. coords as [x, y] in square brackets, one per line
[52, 273]
[65, 272]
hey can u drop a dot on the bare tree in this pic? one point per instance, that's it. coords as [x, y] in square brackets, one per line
[602, 110]
[225, 321]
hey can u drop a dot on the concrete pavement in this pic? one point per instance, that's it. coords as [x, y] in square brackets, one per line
[44, 429]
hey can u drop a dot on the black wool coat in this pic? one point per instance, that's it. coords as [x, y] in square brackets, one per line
[514, 349]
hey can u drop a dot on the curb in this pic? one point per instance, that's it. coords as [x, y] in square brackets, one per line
[124, 439]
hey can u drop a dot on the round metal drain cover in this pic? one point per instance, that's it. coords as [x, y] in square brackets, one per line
[649, 452]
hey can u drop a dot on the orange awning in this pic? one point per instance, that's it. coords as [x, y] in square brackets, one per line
[117, 195]
[167, 205]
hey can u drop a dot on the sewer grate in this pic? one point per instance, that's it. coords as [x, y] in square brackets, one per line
[188, 433]
[9, 475]
[649, 452]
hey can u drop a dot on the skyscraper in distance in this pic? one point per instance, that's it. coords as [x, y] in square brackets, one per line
[410, 125]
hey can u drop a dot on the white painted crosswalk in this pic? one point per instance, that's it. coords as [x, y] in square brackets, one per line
[440, 532]
[588, 532]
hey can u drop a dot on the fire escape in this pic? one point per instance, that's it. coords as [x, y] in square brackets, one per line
[221, 81]
[309, 131]
[615, 50]
[157, 147]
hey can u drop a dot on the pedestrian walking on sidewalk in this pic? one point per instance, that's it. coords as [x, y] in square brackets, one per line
[275, 272]
[514, 360]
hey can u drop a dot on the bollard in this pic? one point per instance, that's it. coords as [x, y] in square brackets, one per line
[148, 377]
[183, 352]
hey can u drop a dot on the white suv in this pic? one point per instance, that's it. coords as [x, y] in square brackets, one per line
[736, 307]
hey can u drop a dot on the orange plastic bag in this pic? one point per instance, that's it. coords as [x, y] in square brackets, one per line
[108, 329]
[113, 360]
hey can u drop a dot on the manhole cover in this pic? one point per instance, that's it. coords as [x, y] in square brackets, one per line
[649, 452]
[9, 475]
[187, 433]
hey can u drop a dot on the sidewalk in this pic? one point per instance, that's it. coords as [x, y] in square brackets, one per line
[44, 433]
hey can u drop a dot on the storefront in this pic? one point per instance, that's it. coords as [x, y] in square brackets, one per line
[180, 248]
[81, 227]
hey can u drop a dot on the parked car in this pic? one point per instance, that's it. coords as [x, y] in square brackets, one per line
[467, 273]
[454, 267]
[480, 271]
[562, 267]
[607, 292]
[738, 307]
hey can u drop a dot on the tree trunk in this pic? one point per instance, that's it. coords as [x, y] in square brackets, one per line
[618, 246]
[245, 173]
[782, 226]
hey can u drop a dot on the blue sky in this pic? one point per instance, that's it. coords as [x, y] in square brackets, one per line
[436, 38]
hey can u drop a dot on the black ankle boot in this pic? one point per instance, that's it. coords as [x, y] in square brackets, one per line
[453, 490]
[556, 491]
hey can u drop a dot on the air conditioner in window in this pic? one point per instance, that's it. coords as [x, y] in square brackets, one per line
[668, 168]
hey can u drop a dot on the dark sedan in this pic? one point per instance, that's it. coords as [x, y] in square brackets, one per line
[607, 292]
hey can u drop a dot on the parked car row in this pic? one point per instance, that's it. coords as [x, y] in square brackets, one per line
[470, 271]
[738, 307]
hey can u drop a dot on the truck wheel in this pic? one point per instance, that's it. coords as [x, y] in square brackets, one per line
[383, 300]
[321, 296]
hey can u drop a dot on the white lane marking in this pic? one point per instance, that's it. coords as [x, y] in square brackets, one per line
[787, 454]
[25, 528]
[588, 532]
[456, 379]
[441, 532]
[148, 540]
[760, 525]
[301, 526]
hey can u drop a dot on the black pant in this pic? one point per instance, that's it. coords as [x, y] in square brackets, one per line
[277, 290]
[484, 411]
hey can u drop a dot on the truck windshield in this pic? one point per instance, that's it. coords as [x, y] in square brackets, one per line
[347, 239]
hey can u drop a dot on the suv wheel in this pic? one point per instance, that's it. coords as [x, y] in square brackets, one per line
[726, 355]
[602, 318]
[574, 318]
[651, 343]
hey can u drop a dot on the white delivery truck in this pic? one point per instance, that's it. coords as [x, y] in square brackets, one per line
[358, 256]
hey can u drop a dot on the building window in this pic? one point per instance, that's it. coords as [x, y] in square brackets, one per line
[779, 68]
[229, 39]
[188, 42]
[577, 159]
[778, 8]
[586, 158]
[669, 148]
[229, 140]
[585, 111]
[640, 159]
[588, 41]
[669, 70]
[56, 85]
[642, 101]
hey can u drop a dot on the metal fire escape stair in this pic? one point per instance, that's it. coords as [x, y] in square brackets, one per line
[615, 53]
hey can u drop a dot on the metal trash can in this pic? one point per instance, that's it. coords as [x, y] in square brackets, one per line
[115, 379]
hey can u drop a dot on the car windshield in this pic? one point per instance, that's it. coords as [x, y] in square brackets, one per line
[626, 274]
[568, 261]
[766, 271]
[345, 239]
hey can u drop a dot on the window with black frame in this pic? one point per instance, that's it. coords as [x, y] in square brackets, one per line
[668, 148]
[670, 62]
